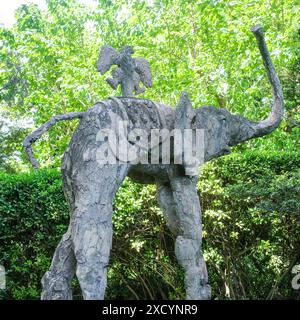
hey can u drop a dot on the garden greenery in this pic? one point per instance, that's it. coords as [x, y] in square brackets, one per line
[250, 199]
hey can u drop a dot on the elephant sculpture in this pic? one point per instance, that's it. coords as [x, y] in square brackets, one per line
[90, 186]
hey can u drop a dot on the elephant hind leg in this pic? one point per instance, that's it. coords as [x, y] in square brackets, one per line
[91, 225]
[57, 281]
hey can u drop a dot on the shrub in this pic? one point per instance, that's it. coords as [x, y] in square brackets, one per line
[251, 232]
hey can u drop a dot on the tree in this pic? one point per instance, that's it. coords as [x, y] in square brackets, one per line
[48, 58]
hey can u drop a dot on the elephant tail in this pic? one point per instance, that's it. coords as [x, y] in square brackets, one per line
[36, 134]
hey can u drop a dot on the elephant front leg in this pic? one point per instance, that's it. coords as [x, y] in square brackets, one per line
[189, 241]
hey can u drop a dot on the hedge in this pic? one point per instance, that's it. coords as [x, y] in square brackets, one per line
[251, 215]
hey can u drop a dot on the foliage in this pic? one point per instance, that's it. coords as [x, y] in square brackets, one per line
[9, 139]
[251, 231]
[47, 59]
[251, 222]
[250, 200]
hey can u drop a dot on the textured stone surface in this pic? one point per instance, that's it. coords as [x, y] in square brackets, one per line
[90, 186]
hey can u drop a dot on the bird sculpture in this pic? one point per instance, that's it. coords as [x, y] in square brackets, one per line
[129, 71]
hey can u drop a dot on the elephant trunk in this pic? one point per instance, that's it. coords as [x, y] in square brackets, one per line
[277, 110]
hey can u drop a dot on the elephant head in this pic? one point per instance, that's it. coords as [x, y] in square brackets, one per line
[223, 129]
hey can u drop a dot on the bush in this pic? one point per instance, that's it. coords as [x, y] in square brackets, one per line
[252, 224]
[33, 216]
[251, 232]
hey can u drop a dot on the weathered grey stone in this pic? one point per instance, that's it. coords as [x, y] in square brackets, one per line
[90, 186]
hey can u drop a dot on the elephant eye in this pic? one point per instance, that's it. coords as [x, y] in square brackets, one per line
[193, 120]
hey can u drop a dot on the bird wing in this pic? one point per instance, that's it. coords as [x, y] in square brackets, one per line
[142, 67]
[107, 58]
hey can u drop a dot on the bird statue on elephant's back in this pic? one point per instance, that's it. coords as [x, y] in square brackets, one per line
[129, 71]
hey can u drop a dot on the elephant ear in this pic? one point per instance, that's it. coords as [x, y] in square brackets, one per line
[108, 56]
[142, 67]
[184, 115]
